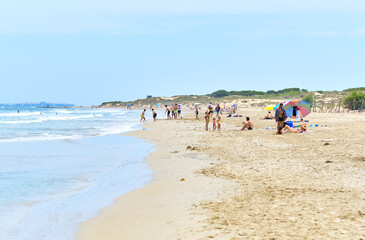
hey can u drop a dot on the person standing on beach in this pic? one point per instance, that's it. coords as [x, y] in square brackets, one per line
[179, 111]
[175, 111]
[217, 109]
[154, 114]
[142, 116]
[219, 123]
[196, 112]
[280, 116]
[167, 112]
[207, 116]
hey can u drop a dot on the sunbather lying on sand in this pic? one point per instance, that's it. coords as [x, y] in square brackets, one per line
[288, 129]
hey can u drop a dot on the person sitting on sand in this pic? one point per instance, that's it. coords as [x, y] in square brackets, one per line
[142, 116]
[154, 114]
[214, 124]
[248, 125]
[167, 112]
[219, 123]
[268, 116]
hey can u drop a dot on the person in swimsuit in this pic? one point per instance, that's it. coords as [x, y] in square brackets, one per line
[248, 125]
[214, 125]
[178, 111]
[175, 111]
[154, 114]
[167, 112]
[142, 116]
[217, 109]
[219, 123]
[196, 112]
[280, 116]
[288, 129]
[207, 117]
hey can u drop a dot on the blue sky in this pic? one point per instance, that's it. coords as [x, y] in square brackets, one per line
[87, 52]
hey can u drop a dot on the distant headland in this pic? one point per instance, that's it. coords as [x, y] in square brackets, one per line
[39, 105]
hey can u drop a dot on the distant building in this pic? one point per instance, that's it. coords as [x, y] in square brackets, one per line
[149, 96]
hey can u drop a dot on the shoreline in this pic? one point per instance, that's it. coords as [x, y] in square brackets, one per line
[165, 203]
[239, 185]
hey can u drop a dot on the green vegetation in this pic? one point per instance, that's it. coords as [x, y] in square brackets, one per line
[270, 96]
[354, 89]
[309, 98]
[355, 100]
[248, 93]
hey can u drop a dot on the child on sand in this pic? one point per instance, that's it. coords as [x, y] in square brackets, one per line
[142, 116]
[214, 125]
[219, 123]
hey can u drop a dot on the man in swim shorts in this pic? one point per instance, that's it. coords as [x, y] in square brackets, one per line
[280, 116]
[167, 112]
[154, 114]
[248, 124]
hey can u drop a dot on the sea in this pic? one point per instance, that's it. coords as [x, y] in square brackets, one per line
[61, 166]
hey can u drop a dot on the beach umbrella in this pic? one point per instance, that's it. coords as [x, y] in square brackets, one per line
[269, 108]
[303, 108]
[158, 104]
[197, 104]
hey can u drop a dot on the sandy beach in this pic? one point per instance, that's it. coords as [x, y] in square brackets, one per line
[245, 185]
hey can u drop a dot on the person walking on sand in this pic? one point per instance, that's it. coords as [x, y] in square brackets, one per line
[196, 112]
[248, 125]
[167, 112]
[154, 114]
[280, 116]
[142, 116]
[207, 116]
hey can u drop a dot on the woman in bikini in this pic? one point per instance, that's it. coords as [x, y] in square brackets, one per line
[207, 116]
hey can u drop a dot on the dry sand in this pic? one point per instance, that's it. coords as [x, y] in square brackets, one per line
[245, 185]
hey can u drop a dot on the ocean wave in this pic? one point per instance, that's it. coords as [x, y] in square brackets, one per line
[21, 114]
[22, 122]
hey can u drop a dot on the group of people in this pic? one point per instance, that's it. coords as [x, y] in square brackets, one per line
[282, 127]
[174, 110]
[143, 118]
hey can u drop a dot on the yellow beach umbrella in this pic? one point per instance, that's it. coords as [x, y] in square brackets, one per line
[269, 108]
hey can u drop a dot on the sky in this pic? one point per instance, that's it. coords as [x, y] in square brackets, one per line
[87, 52]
